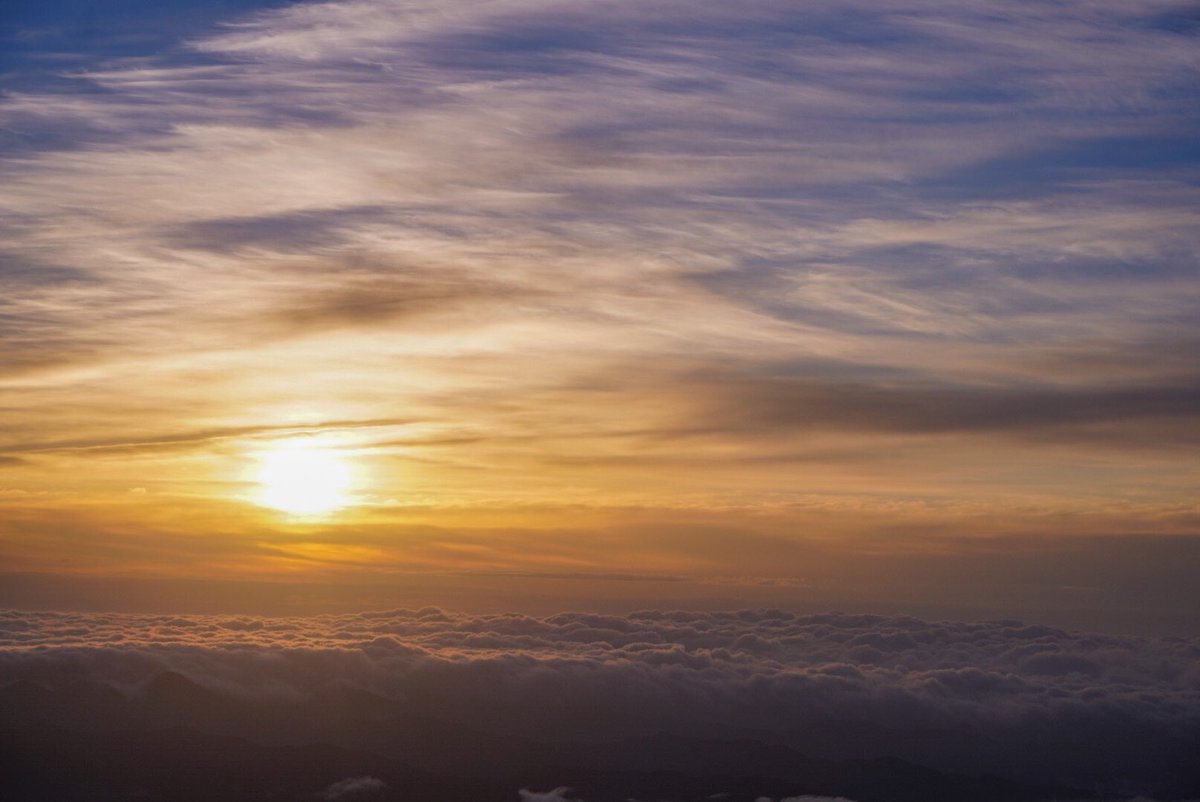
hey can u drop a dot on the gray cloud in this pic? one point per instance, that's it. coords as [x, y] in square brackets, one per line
[170, 441]
[366, 302]
[774, 404]
[300, 232]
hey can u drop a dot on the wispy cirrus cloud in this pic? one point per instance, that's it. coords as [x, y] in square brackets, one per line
[644, 254]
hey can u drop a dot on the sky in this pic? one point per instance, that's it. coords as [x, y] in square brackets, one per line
[529, 306]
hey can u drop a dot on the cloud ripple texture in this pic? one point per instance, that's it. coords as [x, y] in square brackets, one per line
[1031, 703]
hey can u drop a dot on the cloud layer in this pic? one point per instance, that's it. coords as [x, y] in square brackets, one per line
[1030, 703]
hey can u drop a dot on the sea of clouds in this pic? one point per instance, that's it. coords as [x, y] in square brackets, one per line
[1032, 703]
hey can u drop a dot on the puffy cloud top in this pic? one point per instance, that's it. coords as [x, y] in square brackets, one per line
[970, 696]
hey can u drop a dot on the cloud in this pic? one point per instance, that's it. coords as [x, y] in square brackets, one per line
[353, 788]
[556, 795]
[530, 189]
[550, 129]
[780, 403]
[964, 696]
[565, 149]
[171, 441]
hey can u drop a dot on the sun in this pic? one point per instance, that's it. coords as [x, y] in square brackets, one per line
[303, 479]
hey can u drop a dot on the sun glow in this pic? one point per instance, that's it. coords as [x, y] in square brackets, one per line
[303, 479]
